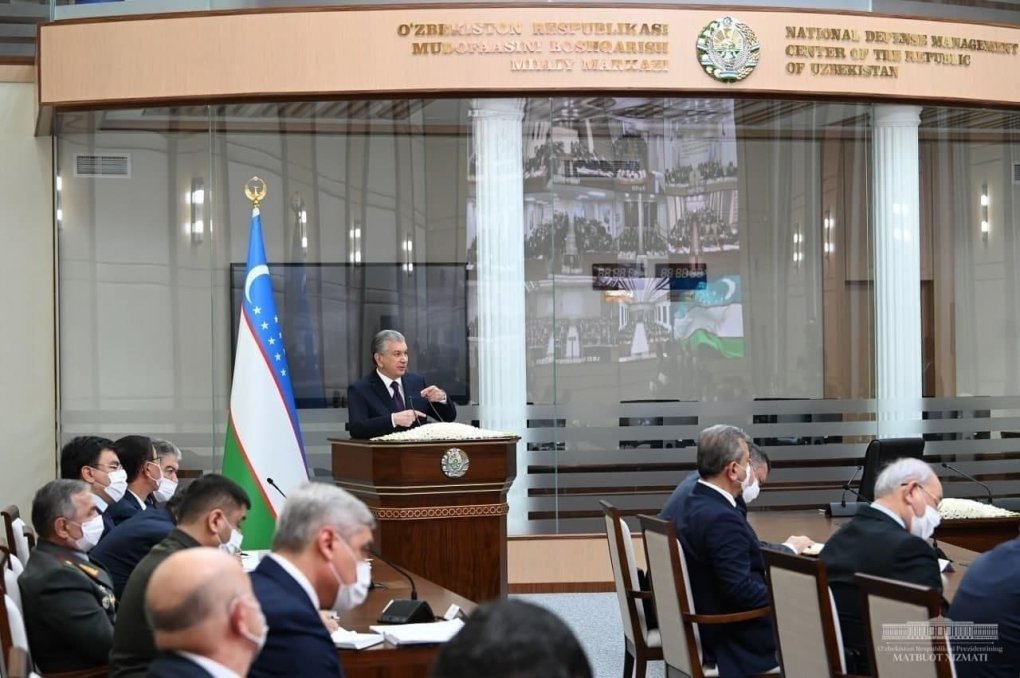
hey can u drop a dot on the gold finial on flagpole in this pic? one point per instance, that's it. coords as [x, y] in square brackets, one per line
[255, 190]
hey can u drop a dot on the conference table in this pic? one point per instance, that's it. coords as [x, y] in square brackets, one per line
[386, 660]
[776, 526]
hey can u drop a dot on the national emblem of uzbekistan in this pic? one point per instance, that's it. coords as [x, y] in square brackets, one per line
[728, 49]
[455, 462]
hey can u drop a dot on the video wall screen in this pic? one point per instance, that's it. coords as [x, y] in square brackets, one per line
[330, 311]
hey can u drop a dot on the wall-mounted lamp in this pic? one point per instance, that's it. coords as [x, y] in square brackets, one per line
[58, 201]
[355, 244]
[798, 246]
[297, 203]
[828, 238]
[408, 247]
[196, 198]
[986, 226]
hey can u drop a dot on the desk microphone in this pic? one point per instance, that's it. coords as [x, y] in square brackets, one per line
[276, 487]
[839, 509]
[971, 478]
[417, 419]
[405, 611]
[846, 487]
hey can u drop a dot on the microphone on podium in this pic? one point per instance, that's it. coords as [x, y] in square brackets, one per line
[405, 611]
[971, 478]
[276, 487]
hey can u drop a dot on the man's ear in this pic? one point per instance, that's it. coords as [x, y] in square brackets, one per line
[88, 474]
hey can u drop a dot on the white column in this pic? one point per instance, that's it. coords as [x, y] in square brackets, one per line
[497, 126]
[897, 269]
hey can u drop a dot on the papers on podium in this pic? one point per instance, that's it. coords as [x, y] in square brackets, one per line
[419, 634]
[352, 640]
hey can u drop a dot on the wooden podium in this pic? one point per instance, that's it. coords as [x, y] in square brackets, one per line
[440, 506]
[978, 534]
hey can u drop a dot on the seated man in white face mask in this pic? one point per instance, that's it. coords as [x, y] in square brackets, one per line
[886, 539]
[319, 561]
[68, 601]
[210, 513]
[205, 618]
[93, 459]
[760, 467]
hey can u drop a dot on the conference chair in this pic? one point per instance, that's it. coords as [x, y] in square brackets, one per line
[12, 569]
[898, 613]
[809, 641]
[17, 664]
[678, 619]
[20, 539]
[641, 645]
[12, 628]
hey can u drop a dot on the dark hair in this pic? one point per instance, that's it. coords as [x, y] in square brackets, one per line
[509, 638]
[758, 457]
[134, 451]
[54, 500]
[207, 493]
[81, 452]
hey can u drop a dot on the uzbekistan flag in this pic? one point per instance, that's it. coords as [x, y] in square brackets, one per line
[263, 435]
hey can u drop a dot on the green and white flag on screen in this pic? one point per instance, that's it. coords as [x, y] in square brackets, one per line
[263, 433]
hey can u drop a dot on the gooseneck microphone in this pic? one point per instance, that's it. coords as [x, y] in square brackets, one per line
[411, 611]
[276, 487]
[846, 487]
[971, 478]
[434, 410]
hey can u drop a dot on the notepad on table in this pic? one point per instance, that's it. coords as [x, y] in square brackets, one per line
[352, 640]
[813, 550]
[419, 634]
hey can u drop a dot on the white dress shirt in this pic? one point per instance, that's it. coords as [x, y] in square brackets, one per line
[729, 497]
[400, 387]
[888, 512]
[141, 502]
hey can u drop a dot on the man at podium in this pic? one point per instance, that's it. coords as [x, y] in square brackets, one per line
[391, 398]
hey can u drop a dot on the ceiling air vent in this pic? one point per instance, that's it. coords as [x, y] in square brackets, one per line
[111, 165]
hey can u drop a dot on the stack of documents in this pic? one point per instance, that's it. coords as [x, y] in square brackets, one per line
[351, 640]
[419, 634]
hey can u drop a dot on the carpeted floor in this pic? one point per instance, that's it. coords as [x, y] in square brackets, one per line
[595, 620]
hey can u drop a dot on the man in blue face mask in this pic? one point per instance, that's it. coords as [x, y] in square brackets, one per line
[888, 539]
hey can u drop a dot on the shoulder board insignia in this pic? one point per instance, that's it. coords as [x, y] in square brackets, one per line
[91, 571]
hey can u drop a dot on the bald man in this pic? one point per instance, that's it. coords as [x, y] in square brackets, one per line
[206, 621]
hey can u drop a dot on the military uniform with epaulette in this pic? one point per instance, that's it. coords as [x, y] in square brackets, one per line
[70, 609]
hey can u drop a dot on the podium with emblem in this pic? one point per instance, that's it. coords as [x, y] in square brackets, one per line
[440, 506]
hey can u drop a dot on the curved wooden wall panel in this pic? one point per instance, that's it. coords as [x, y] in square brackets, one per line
[387, 50]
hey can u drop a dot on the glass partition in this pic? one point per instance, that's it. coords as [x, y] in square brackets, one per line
[686, 262]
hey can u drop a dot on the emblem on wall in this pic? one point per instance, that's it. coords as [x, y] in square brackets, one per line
[728, 49]
[455, 462]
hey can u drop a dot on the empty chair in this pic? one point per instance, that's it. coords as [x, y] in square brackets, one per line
[808, 639]
[674, 604]
[641, 645]
[902, 641]
[12, 628]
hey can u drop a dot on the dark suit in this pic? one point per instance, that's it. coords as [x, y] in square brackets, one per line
[872, 543]
[298, 642]
[127, 506]
[675, 506]
[69, 608]
[108, 523]
[727, 575]
[370, 404]
[990, 594]
[133, 645]
[175, 666]
[121, 551]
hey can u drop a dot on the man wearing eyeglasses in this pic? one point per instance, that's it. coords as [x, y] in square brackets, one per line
[887, 539]
[93, 460]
